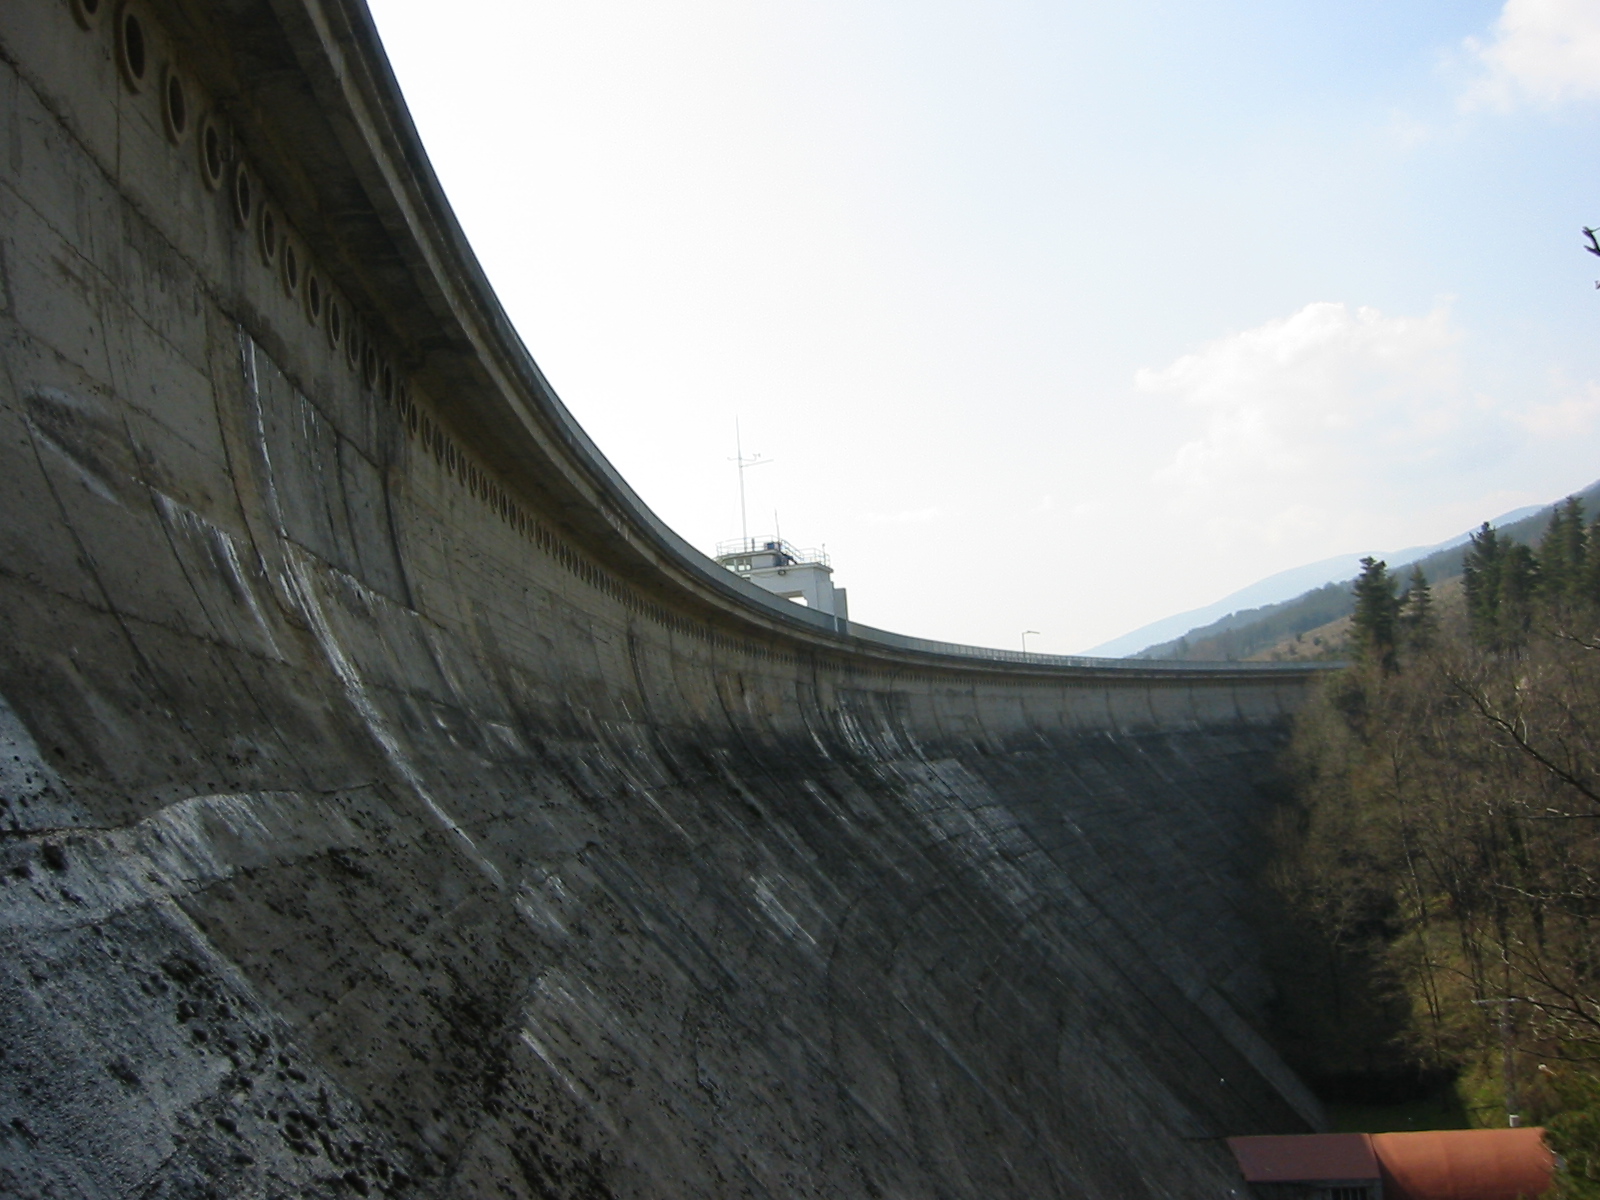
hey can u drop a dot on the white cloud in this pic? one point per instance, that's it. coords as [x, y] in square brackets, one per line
[1305, 419]
[1337, 429]
[1543, 51]
[1570, 416]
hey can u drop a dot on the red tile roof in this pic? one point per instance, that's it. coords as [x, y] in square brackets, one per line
[1298, 1158]
[1464, 1164]
[1445, 1164]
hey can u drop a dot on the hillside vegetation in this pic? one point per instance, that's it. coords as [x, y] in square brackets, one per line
[1436, 887]
[1256, 633]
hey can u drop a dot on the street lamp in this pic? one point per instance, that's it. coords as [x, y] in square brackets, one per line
[1025, 634]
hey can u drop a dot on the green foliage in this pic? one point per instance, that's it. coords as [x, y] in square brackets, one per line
[1480, 576]
[1519, 584]
[1418, 620]
[1563, 556]
[1248, 632]
[1241, 634]
[1501, 579]
[1438, 872]
[1590, 588]
[1574, 1131]
[1377, 615]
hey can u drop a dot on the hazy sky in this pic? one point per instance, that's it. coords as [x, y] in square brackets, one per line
[1055, 316]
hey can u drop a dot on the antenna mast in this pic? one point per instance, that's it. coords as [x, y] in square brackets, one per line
[755, 460]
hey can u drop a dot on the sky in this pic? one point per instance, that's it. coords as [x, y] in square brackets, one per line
[1054, 316]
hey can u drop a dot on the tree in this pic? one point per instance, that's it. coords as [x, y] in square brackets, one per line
[1445, 848]
[1563, 555]
[1418, 621]
[1480, 576]
[1439, 866]
[1590, 587]
[1501, 580]
[1574, 1133]
[1377, 614]
[1519, 585]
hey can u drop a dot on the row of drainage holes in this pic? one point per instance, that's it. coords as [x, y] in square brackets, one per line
[133, 61]
[321, 308]
[133, 58]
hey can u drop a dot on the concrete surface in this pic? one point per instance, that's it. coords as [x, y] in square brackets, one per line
[392, 806]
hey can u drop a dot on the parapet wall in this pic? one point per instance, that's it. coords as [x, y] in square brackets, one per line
[394, 806]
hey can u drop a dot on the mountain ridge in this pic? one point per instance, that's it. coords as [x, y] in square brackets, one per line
[1219, 629]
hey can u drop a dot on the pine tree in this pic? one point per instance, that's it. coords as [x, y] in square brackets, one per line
[1519, 585]
[1501, 580]
[1377, 613]
[1589, 588]
[1480, 576]
[1418, 621]
[1563, 555]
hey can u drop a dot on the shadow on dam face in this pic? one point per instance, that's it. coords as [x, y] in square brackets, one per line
[393, 806]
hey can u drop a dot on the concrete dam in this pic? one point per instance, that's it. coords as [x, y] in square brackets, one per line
[393, 806]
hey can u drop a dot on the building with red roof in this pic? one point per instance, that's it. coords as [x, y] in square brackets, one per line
[1445, 1164]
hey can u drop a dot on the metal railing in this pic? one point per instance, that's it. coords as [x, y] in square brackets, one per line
[790, 554]
[901, 641]
[744, 548]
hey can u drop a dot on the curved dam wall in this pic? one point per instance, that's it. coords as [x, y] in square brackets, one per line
[393, 806]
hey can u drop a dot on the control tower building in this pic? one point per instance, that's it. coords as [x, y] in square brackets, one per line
[803, 576]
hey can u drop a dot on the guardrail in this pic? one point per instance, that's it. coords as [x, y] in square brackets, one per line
[900, 641]
[871, 635]
[771, 544]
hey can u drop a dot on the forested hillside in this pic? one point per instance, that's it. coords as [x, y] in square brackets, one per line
[1439, 865]
[1255, 632]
